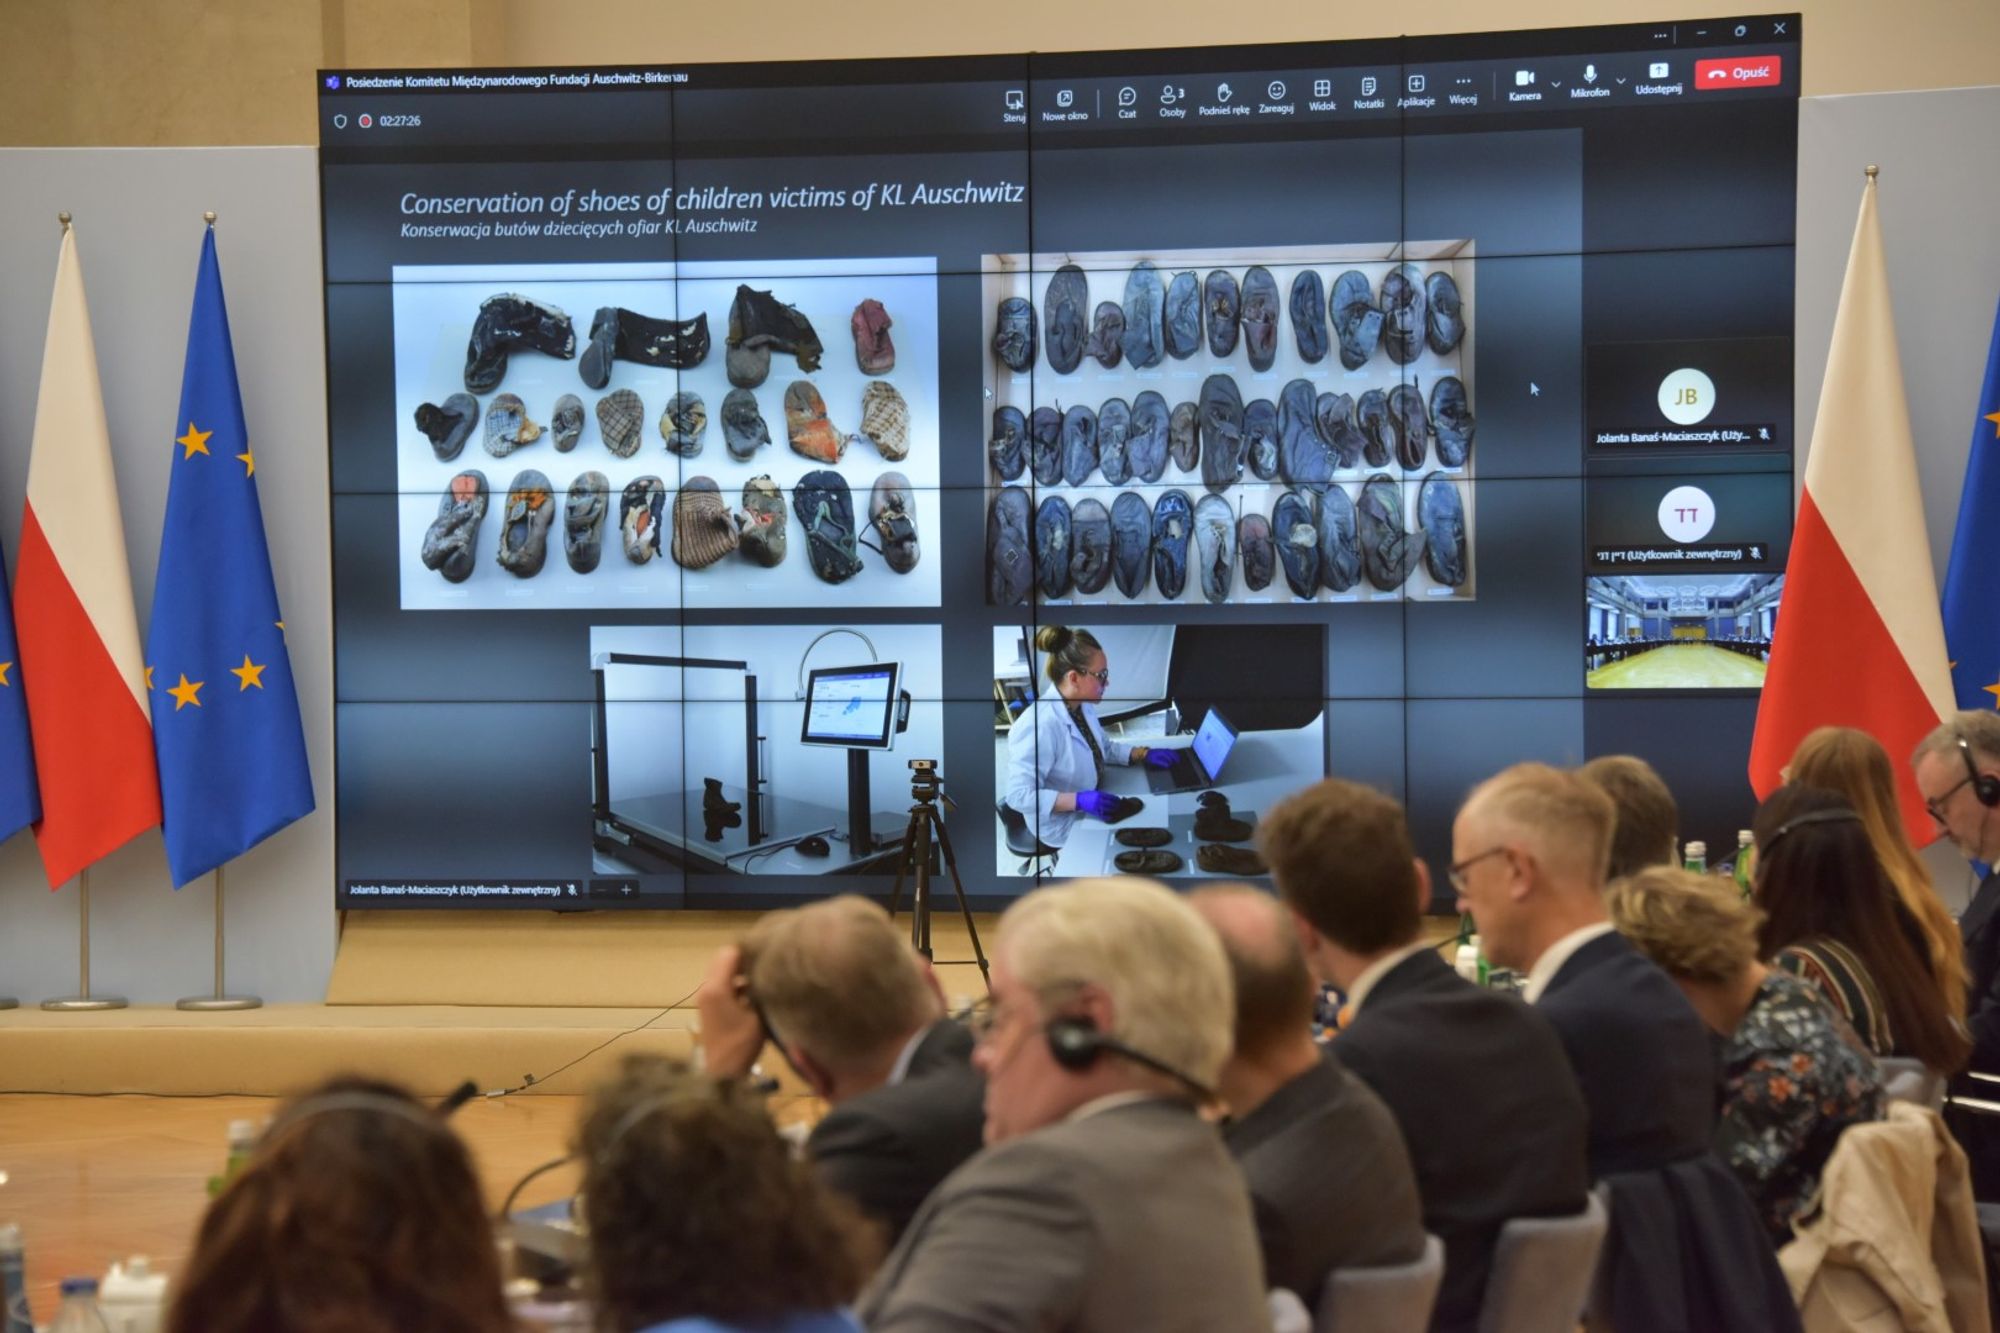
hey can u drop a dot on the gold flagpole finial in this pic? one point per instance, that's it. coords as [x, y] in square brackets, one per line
[1871, 171]
[209, 217]
[64, 219]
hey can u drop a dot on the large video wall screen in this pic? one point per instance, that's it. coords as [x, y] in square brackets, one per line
[1391, 409]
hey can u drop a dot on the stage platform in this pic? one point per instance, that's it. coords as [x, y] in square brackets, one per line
[427, 999]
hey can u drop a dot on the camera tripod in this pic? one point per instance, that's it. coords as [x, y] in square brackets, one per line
[926, 823]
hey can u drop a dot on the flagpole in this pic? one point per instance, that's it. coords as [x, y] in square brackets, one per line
[221, 1000]
[83, 1000]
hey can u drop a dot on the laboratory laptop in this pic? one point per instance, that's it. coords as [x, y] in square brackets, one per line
[1198, 765]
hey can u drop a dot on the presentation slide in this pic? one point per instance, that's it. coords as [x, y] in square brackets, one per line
[1313, 381]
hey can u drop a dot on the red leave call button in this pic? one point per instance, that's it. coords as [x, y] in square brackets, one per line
[1738, 72]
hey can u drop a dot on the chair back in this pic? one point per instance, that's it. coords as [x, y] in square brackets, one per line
[1021, 840]
[1390, 1299]
[1542, 1270]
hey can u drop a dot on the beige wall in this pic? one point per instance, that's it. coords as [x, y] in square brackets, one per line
[146, 72]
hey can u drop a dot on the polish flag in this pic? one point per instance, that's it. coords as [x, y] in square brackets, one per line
[81, 665]
[1859, 639]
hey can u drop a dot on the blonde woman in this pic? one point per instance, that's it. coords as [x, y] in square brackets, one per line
[1793, 1074]
[1854, 764]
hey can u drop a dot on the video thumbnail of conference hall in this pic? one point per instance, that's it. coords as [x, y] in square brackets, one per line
[1037, 668]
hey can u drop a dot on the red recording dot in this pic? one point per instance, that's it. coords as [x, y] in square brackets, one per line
[366, 121]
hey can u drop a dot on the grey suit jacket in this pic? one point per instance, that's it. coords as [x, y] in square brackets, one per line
[1329, 1178]
[1132, 1218]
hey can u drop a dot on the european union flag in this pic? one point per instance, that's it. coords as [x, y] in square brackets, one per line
[1972, 581]
[20, 797]
[225, 715]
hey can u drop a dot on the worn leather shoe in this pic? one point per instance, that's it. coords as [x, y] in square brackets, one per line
[1131, 543]
[1224, 302]
[684, 423]
[1146, 445]
[1089, 546]
[1107, 335]
[524, 524]
[1145, 309]
[1388, 551]
[1451, 421]
[1114, 429]
[744, 431]
[1296, 536]
[824, 508]
[1220, 860]
[1446, 324]
[874, 351]
[892, 511]
[1064, 304]
[1221, 433]
[1045, 445]
[566, 422]
[1142, 837]
[1173, 525]
[1309, 316]
[1333, 418]
[451, 542]
[510, 323]
[1260, 438]
[761, 522]
[1152, 861]
[448, 427]
[1181, 328]
[584, 511]
[1403, 314]
[1010, 568]
[807, 427]
[1184, 436]
[1260, 317]
[1215, 547]
[1052, 546]
[642, 518]
[760, 323]
[1357, 323]
[1339, 541]
[617, 334]
[1442, 514]
[1378, 437]
[1014, 335]
[1304, 458]
[1253, 540]
[1079, 445]
[1213, 824]
[1407, 419]
[1007, 451]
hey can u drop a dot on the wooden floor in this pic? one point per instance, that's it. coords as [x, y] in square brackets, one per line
[1680, 666]
[93, 1179]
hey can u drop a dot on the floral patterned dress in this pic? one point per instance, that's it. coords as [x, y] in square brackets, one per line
[1793, 1077]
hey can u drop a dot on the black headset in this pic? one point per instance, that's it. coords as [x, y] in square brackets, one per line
[1076, 1043]
[1837, 816]
[1985, 786]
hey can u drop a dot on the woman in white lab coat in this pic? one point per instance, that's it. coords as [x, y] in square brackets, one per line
[1056, 751]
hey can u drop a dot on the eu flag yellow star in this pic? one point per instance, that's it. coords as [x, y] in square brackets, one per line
[149, 678]
[187, 692]
[1993, 689]
[195, 441]
[250, 673]
[1994, 417]
[5, 667]
[248, 461]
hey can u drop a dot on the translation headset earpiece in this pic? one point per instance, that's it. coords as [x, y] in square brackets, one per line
[1811, 817]
[374, 1103]
[1985, 786]
[1075, 1043]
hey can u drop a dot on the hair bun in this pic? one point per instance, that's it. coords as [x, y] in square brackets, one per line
[1053, 638]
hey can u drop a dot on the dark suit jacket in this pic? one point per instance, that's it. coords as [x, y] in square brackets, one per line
[1980, 927]
[1132, 1218]
[1640, 1053]
[1330, 1181]
[1487, 1105]
[887, 1149]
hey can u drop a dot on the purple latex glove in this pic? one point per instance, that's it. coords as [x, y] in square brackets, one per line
[1161, 758]
[1098, 803]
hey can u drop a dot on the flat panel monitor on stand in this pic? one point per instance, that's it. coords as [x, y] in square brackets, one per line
[858, 709]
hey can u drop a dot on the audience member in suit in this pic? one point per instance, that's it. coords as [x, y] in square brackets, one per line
[1794, 1075]
[1685, 1248]
[1957, 767]
[700, 1220]
[858, 1014]
[1529, 850]
[1477, 1081]
[1648, 826]
[1330, 1179]
[1833, 918]
[1103, 1202]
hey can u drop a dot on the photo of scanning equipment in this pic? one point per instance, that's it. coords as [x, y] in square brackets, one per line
[697, 768]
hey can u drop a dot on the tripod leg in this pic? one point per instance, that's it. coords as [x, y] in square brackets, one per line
[964, 908]
[902, 869]
[920, 894]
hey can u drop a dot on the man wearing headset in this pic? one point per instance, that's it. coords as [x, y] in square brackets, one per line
[1957, 768]
[1103, 1202]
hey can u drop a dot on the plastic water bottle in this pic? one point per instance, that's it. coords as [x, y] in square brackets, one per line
[133, 1298]
[242, 1142]
[14, 1314]
[1695, 857]
[78, 1312]
[1746, 850]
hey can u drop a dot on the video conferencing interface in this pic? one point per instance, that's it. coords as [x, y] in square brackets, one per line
[715, 447]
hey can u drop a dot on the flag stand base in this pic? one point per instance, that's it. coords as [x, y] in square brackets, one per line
[9, 1002]
[83, 1001]
[218, 1003]
[74, 1004]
